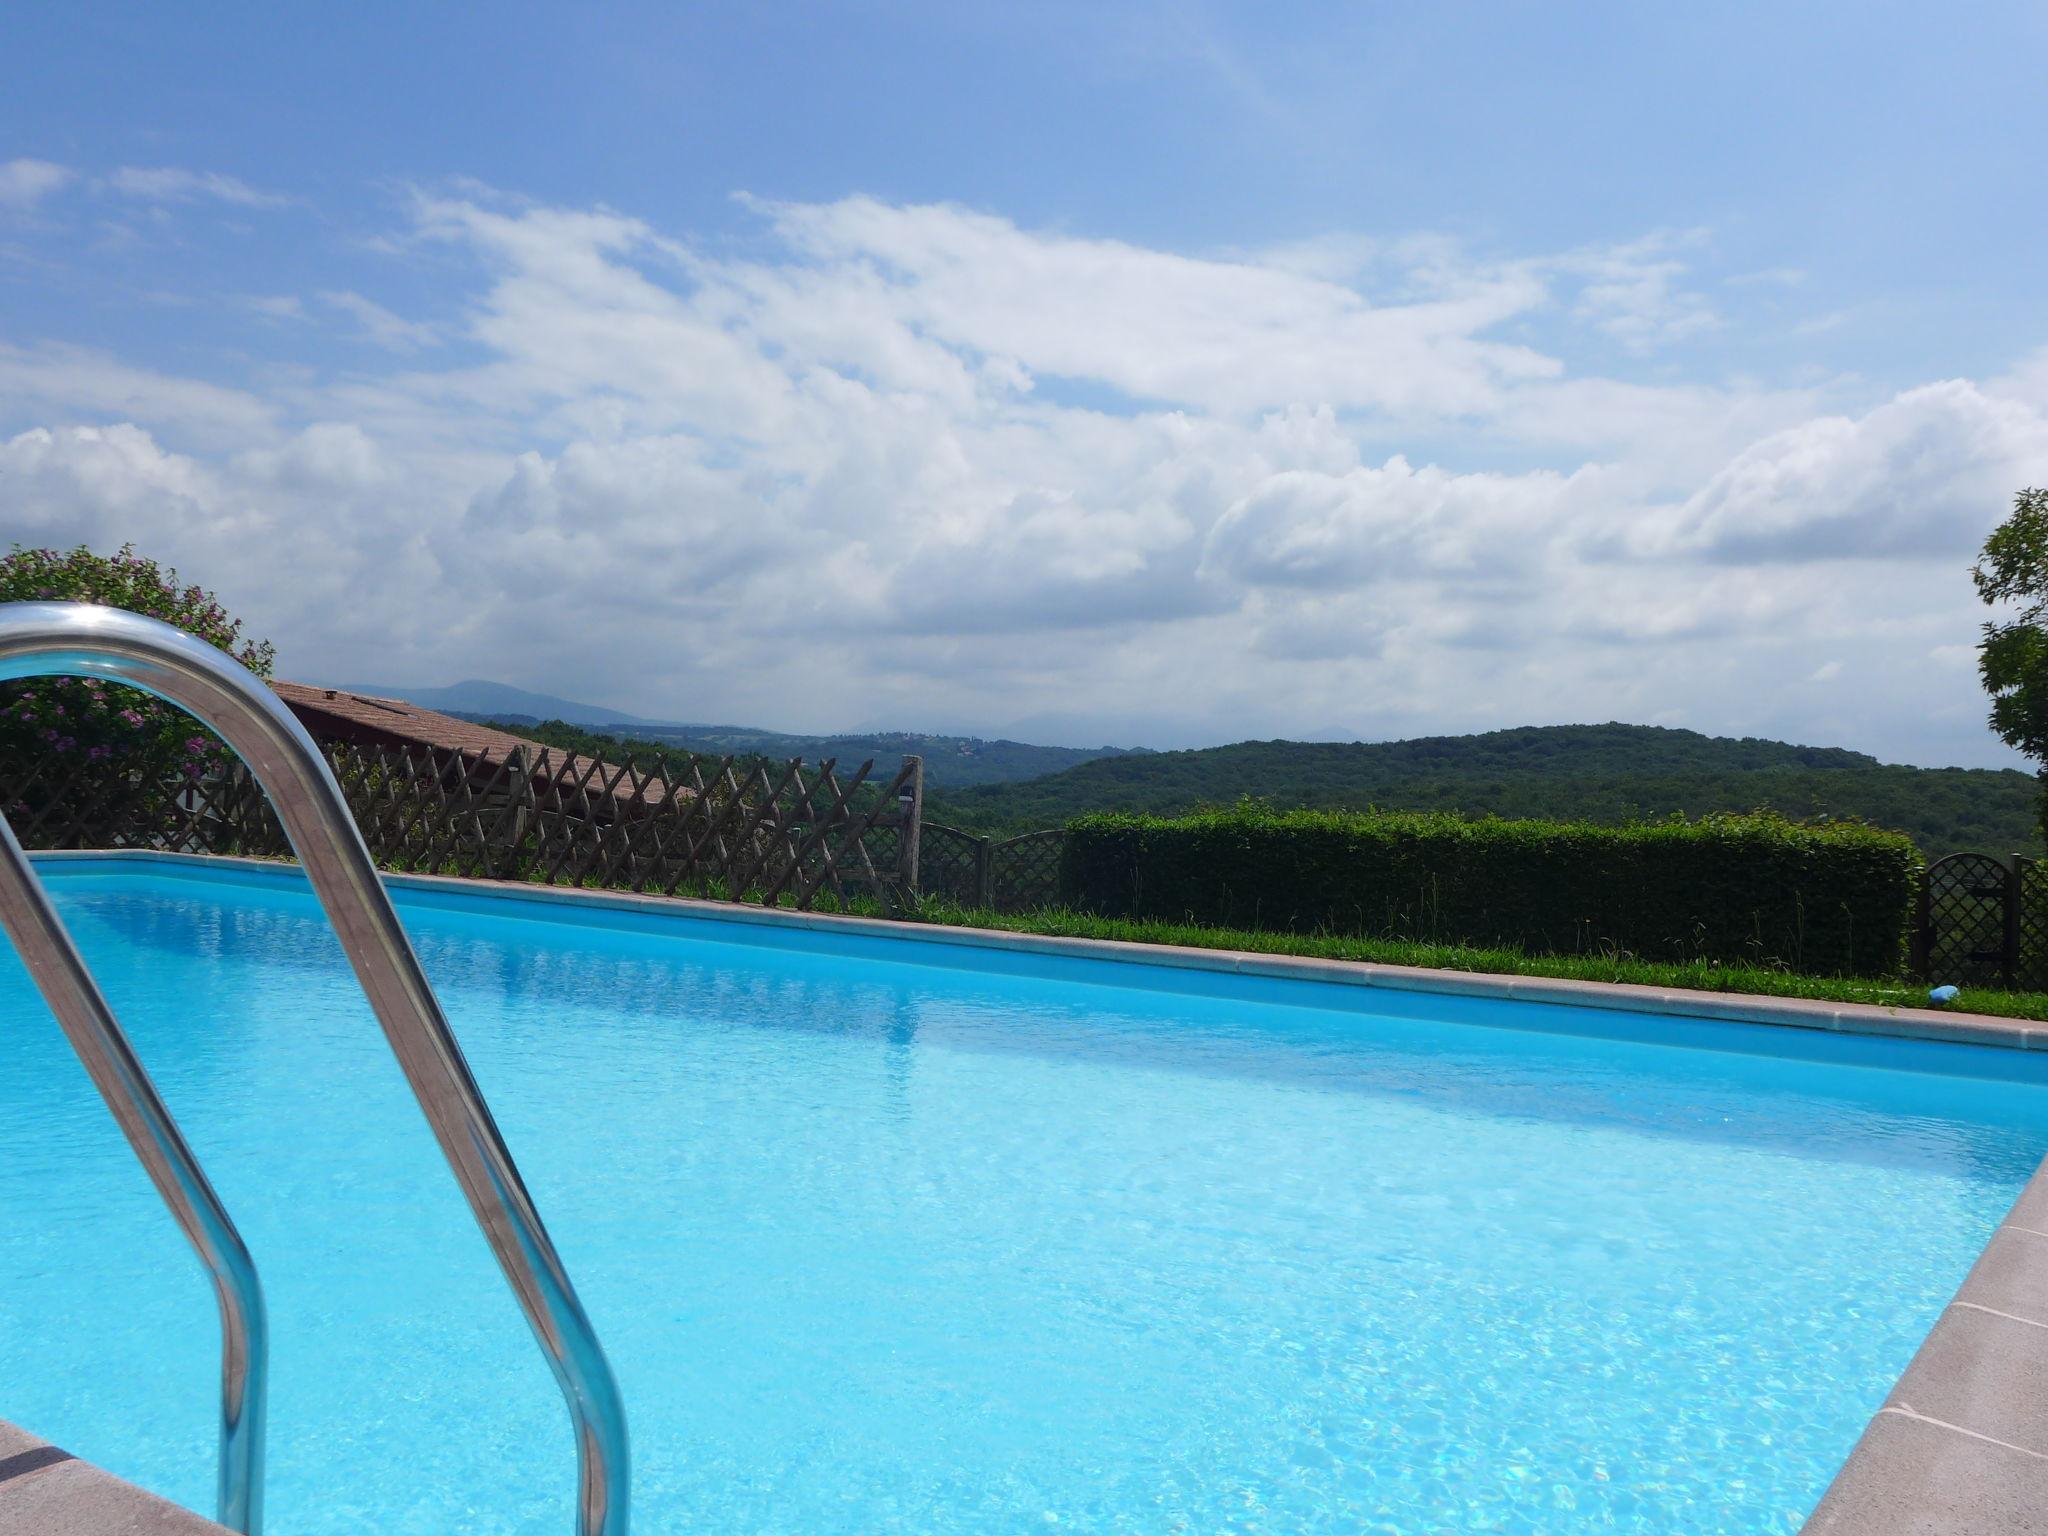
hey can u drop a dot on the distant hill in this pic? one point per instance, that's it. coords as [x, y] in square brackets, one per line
[478, 699]
[950, 762]
[954, 762]
[1596, 772]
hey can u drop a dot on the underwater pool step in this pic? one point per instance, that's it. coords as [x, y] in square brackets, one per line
[45, 1491]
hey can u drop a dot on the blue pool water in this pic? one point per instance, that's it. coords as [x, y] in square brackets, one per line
[891, 1236]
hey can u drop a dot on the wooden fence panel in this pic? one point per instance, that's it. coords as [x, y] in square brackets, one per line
[953, 865]
[1016, 874]
[677, 825]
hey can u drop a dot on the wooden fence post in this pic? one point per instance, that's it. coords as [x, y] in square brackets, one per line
[984, 872]
[2009, 969]
[518, 791]
[910, 827]
[1920, 954]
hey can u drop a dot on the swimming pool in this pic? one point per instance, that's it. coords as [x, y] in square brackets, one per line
[889, 1235]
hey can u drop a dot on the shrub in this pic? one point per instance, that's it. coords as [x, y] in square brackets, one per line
[98, 745]
[1826, 899]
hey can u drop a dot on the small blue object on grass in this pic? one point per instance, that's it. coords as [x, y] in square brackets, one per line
[1941, 997]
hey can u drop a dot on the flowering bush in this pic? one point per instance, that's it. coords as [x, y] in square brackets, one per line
[84, 720]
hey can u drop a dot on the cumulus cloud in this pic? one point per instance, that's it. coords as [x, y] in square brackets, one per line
[83, 483]
[1920, 475]
[923, 465]
[1303, 528]
[319, 508]
[24, 183]
[71, 382]
[1226, 336]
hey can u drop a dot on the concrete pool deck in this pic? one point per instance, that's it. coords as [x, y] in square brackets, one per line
[1960, 1447]
[48, 1492]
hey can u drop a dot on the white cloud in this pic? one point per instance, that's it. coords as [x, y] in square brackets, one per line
[319, 505]
[380, 326]
[1923, 474]
[77, 483]
[1302, 528]
[174, 184]
[24, 183]
[919, 464]
[1635, 293]
[277, 306]
[1221, 335]
[63, 382]
[1769, 277]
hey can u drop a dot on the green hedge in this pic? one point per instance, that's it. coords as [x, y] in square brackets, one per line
[1825, 899]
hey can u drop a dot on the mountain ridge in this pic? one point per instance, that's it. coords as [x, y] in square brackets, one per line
[1608, 772]
[950, 762]
[478, 697]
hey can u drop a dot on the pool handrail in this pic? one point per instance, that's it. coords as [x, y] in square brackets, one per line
[81, 1008]
[82, 640]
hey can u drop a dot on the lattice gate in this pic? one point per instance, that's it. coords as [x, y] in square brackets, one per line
[1974, 920]
[1024, 872]
[1015, 874]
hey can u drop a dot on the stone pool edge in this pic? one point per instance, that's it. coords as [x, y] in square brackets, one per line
[1726, 1007]
[48, 1492]
[1960, 1447]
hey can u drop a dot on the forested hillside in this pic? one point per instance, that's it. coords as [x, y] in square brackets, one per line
[1600, 772]
[1595, 772]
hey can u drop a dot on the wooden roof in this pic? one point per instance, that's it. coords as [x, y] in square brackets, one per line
[365, 719]
[334, 714]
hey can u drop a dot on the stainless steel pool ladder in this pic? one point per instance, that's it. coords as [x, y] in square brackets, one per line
[77, 640]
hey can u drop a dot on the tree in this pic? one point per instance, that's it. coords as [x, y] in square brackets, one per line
[86, 722]
[2013, 656]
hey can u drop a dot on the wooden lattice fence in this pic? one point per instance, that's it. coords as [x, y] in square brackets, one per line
[781, 833]
[1014, 874]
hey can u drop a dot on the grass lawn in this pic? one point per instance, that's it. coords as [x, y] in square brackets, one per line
[1700, 975]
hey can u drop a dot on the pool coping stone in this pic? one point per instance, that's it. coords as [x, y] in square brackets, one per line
[45, 1491]
[1960, 1447]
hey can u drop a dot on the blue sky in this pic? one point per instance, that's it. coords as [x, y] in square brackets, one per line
[1101, 372]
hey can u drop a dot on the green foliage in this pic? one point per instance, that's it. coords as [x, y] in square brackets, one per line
[1692, 975]
[1760, 890]
[88, 721]
[2012, 658]
[1604, 773]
